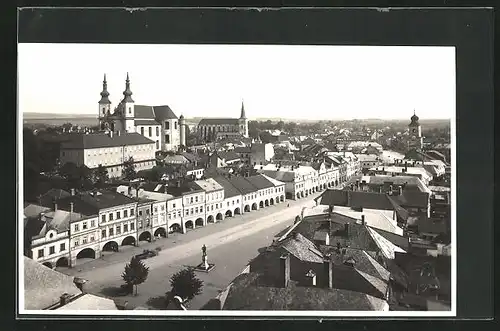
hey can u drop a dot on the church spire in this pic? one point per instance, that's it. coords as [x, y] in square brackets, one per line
[127, 93]
[242, 110]
[105, 93]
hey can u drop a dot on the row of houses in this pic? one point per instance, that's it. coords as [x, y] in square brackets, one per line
[304, 178]
[66, 226]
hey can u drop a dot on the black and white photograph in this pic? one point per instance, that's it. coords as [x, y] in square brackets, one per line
[218, 179]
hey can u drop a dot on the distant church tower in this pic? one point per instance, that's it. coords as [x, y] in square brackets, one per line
[104, 104]
[128, 107]
[182, 129]
[415, 140]
[243, 122]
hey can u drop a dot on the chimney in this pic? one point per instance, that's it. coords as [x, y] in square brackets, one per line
[64, 299]
[310, 278]
[327, 239]
[55, 205]
[71, 207]
[284, 270]
[363, 219]
[400, 190]
[110, 134]
[390, 189]
[328, 270]
[72, 191]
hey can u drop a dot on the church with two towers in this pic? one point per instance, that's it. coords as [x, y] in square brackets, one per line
[157, 123]
[160, 124]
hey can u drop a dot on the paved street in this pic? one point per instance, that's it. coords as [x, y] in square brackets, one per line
[230, 245]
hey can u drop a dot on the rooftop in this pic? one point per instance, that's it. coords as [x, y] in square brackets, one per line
[242, 185]
[43, 287]
[260, 182]
[101, 140]
[209, 185]
[229, 189]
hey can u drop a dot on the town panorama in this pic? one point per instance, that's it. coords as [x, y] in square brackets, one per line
[140, 208]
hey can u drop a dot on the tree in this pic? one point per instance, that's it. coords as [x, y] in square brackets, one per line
[185, 284]
[129, 169]
[101, 175]
[84, 178]
[136, 273]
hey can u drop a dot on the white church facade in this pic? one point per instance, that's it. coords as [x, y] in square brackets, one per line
[157, 123]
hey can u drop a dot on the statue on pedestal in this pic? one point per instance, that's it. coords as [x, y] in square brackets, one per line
[204, 259]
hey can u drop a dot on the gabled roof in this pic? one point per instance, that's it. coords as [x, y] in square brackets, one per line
[32, 210]
[208, 185]
[229, 190]
[48, 197]
[245, 293]
[242, 185]
[228, 156]
[282, 176]
[302, 248]
[91, 202]
[159, 113]
[387, 248]
[219, 121]
[273, 181]
[260, 182]
[101, 140]
[43, 286]
[242, 150]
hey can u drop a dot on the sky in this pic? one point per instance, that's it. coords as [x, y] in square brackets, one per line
[275, 81]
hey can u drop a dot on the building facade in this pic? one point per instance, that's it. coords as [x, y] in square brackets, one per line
[158, 123]
[109, 150]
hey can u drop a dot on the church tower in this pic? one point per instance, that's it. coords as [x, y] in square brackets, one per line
[104, 104]
[415, 140]
[128, 107]
[243, 122]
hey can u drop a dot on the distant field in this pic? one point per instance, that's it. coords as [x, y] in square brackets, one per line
[82, 121]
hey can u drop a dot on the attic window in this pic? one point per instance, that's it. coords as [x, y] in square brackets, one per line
[51, 235]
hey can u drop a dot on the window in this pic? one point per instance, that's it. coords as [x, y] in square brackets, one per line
[196, 210]
[62, 247]
[103, 233]
[228, 203]
[92, 224]
[167, 139]
[157, 131]
[201, 209]
[155, 209]
[92, 238]
[130, 110]
[111, 232]
[77, 243]
[52, 250]
[84, 241]
[110, 217]
[196, 199]
[139, 224]
[125, 213]
[192, 211]
[118, 229]
[142, 131]
[77, 228]
[140, 212]
[173, 206]
[187, 212]
[131, 212]
[84, 226]
[118, 215]
[191, 199]
[132, 226]
[237, 200]
[40, 253]
[157, 144]
[175, 125]
[147, 212]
